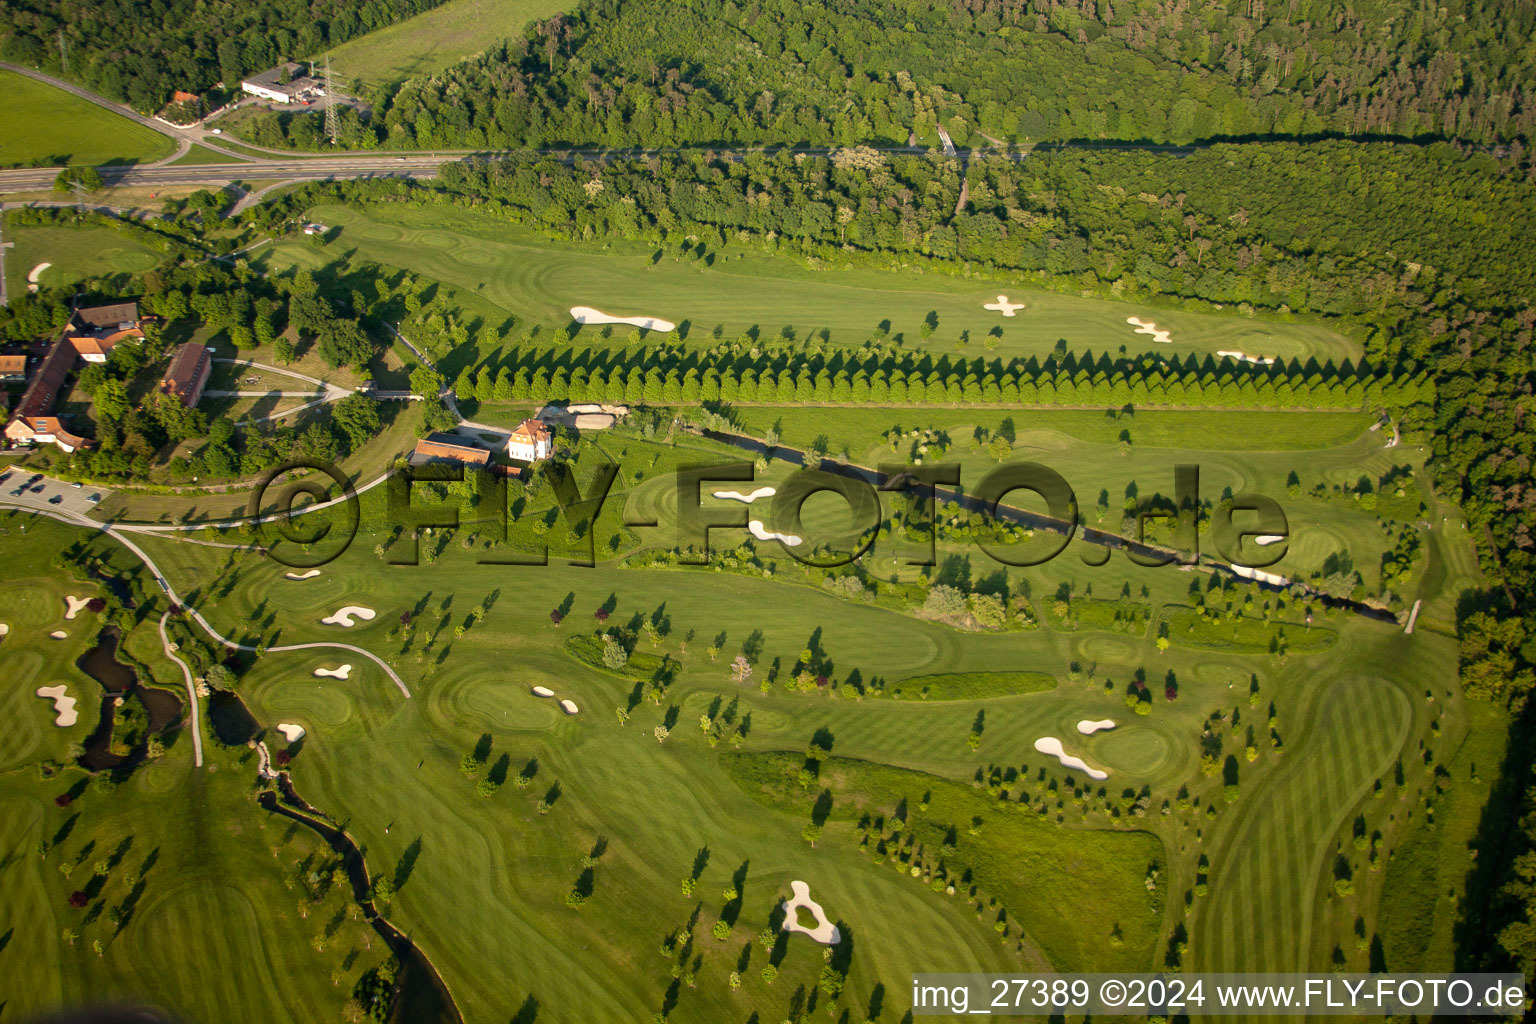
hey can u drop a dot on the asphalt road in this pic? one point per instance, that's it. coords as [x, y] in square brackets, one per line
[71, 497]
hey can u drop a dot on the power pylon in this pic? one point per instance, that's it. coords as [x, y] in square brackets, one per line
[331, 129]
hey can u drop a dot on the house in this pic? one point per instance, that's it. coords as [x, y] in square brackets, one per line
[90, 335]
[441, 448]
[94, 331]
[188, 373]
[13, 368]
[32, 421]
[286, 83]
[531, 441]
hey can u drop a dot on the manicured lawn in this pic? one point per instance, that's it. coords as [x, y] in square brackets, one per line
[434, 39]
[179, 864]
[47, 127]
[75, 254]
[540, 280]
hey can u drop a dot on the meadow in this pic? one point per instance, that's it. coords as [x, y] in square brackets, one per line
[725, 294]
[46, 127]
[433, 40]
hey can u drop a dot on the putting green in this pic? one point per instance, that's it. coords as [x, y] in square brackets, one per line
[1131, 748]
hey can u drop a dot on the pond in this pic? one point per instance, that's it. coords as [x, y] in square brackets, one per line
[147, 711]
[232, 721]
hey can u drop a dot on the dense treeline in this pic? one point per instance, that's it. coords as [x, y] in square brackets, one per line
[140, 53]
[659, 73]
[742, 373]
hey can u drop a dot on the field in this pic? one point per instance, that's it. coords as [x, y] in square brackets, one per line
[515, 272]
[433, 40]
[75, 254]
[49, 127]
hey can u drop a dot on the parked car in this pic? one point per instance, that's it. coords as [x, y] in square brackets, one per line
[39, 488]
[57, 499]
[94, 497]
[76, 486]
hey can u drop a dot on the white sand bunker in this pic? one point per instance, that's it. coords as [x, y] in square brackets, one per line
[588, 315]
[825, 931]
[292, 733]
[58, 634]
[1268, 538]
[1245, 357]
[1260, 575]
[1089, 726]
[76, 605]
[5, 629]
[1159, 335]
[1003, 306]
[746, 499]
[1052, 746]
[335, 673]
[62, 703]
[755, 527]
[569, 707]
[302, 575]
[543, 691]
[34, 274]
[343, 616]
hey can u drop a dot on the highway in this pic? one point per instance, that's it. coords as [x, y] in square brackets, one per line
[287, 167]
[28, 179]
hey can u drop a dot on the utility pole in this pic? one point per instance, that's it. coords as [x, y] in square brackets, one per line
[330, 103]
[78, 188]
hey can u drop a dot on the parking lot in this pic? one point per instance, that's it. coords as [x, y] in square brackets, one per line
[45, 492]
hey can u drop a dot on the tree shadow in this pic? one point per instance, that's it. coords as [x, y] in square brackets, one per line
[407, 863]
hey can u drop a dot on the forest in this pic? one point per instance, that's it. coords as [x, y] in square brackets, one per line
[141, 53]
[664, 73]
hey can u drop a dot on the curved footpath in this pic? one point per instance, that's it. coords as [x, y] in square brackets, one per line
[71, 519]
[197, 726]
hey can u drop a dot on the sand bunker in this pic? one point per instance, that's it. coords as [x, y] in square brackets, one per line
[335, 673]
[1003, 306]
[746, 499]
[303, 575]
[1159, 335]
[343, 616]
[543, 691]
[5, 629]
[62, 703]
[1259, 575]
[588, 315]
[1088, 726]
[1268, 538]
[1052, 746]
[58, 634]
[292, 733]
[755, 527]
[76, 605]
[569, 707]
[1245, 357]
[593, 421]
[825, 931]
[33, 275]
